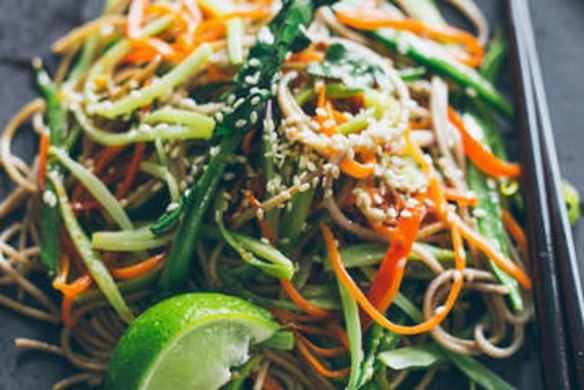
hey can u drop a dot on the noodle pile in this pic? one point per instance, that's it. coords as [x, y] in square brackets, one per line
[349, 160]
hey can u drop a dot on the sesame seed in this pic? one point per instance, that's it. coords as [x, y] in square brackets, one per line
[241, 123]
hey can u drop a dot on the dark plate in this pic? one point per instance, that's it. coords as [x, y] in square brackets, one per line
[28, 27]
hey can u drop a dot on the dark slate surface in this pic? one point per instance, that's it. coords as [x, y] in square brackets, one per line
[28, 27]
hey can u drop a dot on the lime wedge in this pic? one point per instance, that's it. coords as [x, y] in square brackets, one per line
[188, 342]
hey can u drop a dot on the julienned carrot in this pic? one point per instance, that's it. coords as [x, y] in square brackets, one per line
[266, 233]
[132, 172]
[371, 310]
[482, 157]
[307, 56]
[70, 290]
[356, 169]
[317, 365]
[136, 18]
[516, 232]
[369, 21]
[136, 270]
[463, 198]
[455, 222]
[320, 351]
[387, 281]
[303, 303]
[327, 123]
[43, 152]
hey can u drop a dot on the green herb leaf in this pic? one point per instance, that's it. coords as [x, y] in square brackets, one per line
[353, 69]
[422, 356]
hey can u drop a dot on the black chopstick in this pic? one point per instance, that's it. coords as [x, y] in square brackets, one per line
[567, 263]
[551, 330]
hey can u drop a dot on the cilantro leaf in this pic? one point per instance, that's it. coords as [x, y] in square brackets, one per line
[355, 70]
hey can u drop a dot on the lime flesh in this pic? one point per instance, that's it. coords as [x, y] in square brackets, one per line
[188, 342]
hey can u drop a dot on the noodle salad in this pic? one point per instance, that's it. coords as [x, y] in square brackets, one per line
[337, 165]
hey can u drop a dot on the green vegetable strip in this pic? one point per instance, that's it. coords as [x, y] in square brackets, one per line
[353, 324]
[95, 187]
[424, 10]
[202, 130]
[243, 373]
[294, 220]
[419, 356]
[478, 373]
[490, 225]
[235, 34]
[360, 122]
[363, 255]
[147, 95]
[50, 216]
[128, 241]
[495, 56]
[91, 259]
[254, 87]
[431, 55]
[185, 118]
[466, 364]
[572, 198]
[282, 340]
[116, 53]
[164, 174]
[411, 74]
[141, 283]
[276, 263]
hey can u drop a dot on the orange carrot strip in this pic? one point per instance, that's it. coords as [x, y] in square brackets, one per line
[307, 56]
[366, 20]
[262, 221]
[317, 365]
[516, 232]
[69, 291]
[455, 222]
[303, 303]
[139, 269]
[357, 170]
[320, 351]
[375, 314]
[43, 152]
[463, 198]
[479, 154]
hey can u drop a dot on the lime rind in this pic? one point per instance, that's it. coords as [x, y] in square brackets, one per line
[229, 324]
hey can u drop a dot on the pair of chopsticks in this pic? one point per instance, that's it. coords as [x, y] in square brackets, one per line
[558, 288]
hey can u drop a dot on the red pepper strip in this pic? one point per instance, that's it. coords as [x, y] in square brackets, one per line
[388, 279]
[43, 152]
[132, 172]
[479, 154]
[136, 270]
[136, 18]
[364, 20]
